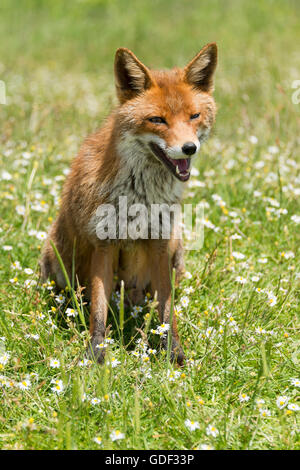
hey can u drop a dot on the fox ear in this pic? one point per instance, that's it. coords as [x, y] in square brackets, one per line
[132, 77]
[199, 72]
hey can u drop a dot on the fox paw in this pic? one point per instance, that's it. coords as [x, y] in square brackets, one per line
[95, 349]
[177, 354]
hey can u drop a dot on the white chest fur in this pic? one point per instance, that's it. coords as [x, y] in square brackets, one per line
[142, 180]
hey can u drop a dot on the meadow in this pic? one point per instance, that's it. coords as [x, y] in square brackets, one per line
[238, 305]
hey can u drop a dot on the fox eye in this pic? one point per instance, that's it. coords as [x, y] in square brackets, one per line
[195, 116]
[157, 120]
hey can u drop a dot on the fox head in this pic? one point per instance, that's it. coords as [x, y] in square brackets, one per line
[168, 114]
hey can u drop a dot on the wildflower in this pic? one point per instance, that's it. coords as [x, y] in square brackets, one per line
[95, 401]
[98, 440]
[293, 407]
[114, 362]
[58, 386]
[109, 340]
[116, 435]
[212, 431]
[241, 280]
[29, 424]
[206, 447]
[192, 425]
[28, 271]
[243, 397]
[236, 236]
[60, 299]
[54, 363]
[253, 139]
[272, 300]
[24, 385]
[4, 358]
[296, 219]
[6, 176]
[84, 362]
[16, 265]
[260, 402]
[41, 235]
[163, 328]
[295, 382]
[200, 401]
[238, 255]
[71, 312]
[262, 260]
[30, 283]
[172, 376]
[264, 412]
[184, 301]
[7, 248]
[152, 351]
[210, 331]
[281, 402]
[260, 331]
[287, 255]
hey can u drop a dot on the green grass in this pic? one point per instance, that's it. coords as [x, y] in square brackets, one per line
[56, 59]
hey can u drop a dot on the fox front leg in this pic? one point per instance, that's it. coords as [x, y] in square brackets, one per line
[161, 283]
[101, 279]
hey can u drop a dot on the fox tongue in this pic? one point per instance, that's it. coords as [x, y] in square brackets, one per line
[182, 164]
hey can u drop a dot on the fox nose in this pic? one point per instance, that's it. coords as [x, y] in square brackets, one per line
[189, 148]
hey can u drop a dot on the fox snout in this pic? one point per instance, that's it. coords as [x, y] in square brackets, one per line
[189, 148]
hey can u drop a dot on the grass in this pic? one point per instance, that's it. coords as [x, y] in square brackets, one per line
[240, 338]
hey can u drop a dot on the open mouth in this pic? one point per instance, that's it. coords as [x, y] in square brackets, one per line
[179, 168]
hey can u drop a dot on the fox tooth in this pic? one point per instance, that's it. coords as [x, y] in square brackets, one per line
[177, 170]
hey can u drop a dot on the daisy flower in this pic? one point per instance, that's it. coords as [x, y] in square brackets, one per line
[98, 440]
[84, 362]
[264, 412]
[295, 382]
[238, 255]
[206, 447]
[71, 312]
[184, 301]
[54, 363]
[60, 299]
[28, 271]
[260, 402]
[243, 397]
[116, 435]
[58, 386]
[4, 358]
[212, 431]
[281, 402]
[293, 407]
[24, 385]
[114, 362]
[192, 425]
[163, 327]
[109, 340]
[95, 401]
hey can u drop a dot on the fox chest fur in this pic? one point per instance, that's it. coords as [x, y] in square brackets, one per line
[139, 185]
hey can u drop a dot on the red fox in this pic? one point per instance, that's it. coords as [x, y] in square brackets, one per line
[144, 152]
